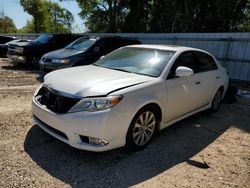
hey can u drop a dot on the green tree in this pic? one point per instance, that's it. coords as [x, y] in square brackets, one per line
[210, 15]
[47, 17]
[36, 8]
[102, 15]
[28, 28]
[7, 25]
[244, 25]
[165, 15]
[59, 19]
[138, 16]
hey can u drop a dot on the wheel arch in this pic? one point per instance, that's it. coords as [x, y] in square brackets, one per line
[150, 105]
[221, 88]
[156, 107]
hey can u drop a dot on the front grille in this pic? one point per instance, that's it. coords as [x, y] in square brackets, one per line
[59, 133]
[55, 102]
[11, 48]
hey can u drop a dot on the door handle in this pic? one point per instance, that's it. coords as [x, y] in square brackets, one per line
[217, 77]
[197, 83]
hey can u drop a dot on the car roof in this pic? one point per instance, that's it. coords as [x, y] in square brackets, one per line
[166, 47]
[6, 36]
[112, 37]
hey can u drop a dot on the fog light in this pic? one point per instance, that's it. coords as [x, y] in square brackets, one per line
[97, 141]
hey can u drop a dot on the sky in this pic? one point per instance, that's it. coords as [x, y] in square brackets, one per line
[14, 10]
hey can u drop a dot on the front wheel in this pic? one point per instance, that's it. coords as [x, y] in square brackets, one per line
[142, 128]
[216, 101]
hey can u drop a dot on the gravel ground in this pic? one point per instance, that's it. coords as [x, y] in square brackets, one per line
[205, 150]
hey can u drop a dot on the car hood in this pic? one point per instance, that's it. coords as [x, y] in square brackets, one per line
[92, 80]
[62, 53]
[19, 42]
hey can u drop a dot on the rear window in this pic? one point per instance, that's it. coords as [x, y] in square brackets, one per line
[42, 39]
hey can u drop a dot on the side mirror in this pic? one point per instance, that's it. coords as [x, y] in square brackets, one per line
[183, 72]
[96, 49]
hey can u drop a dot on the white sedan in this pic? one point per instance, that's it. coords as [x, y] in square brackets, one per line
[128, 95]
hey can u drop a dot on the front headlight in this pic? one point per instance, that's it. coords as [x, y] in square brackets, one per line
[64, 61]
[96, 104]
[19, 49]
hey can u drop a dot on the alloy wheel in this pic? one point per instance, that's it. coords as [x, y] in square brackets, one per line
[144, 128]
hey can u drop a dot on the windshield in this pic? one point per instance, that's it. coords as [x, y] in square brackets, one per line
[144, 61]
[81, 44]
[43, 38]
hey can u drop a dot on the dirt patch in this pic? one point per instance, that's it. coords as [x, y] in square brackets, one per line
[205, 150]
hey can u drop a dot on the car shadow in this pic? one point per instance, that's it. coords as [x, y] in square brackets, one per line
[122, 167]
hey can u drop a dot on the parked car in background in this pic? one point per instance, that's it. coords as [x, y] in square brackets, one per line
[31, 52]
[126, 96]
[83, 51]
[4, 44]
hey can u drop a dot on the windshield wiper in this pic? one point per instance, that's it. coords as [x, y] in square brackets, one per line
[119, 70]
[95, 64]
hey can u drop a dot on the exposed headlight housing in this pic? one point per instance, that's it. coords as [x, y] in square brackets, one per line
[63, 61]
[19, 49]
[96, 104]
[37, 89]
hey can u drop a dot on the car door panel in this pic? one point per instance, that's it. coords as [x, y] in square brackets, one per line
[208, 74]
[181, 96]
[207, 86]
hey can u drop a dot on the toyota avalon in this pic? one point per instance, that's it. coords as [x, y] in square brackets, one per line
[128, 95]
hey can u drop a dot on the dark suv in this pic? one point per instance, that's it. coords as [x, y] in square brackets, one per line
[83, 51]
[31, 52]
[4, 44]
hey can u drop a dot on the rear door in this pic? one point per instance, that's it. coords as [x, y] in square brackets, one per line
[207, 72]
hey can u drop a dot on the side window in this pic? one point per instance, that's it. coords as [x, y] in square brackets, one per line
[113, 44]
[104, 45]
[205, 62]
[185, 59]
[57, 40]
[119, 43]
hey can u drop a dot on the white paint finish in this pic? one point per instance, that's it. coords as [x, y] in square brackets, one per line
[177, 99]
[86, 80]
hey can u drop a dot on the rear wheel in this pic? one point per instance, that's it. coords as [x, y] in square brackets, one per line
[216, 101]
[142, 128]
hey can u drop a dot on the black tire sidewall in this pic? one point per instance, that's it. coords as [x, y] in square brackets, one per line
[212, 106]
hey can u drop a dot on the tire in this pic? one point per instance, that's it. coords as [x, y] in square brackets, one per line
[216, 101]
[142, 128]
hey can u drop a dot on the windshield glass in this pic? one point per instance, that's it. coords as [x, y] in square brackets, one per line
[43, 38]
[82, 44]
[144, 61]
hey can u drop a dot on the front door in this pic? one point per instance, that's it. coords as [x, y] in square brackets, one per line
[182, 92]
